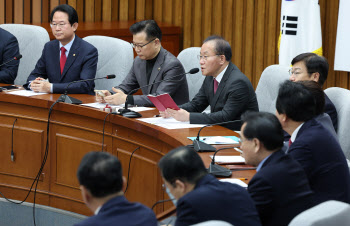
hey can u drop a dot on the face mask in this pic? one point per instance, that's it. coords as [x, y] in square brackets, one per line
[170, 195]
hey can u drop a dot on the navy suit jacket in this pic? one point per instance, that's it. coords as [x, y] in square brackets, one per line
[119, 211]
[280, 190]
[8, 50]
[81, 64]
[329, 108]
[323, 160]
[234, 96]
[215, 200]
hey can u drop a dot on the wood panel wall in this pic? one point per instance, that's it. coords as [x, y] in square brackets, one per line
[251, 26]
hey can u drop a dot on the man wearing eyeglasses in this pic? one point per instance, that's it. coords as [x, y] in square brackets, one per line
[152, 64]
[227, 91]
[66, 59]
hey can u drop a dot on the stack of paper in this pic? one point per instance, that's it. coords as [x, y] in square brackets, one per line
[228, 159]
[169, 123]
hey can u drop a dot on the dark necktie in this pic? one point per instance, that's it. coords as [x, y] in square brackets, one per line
[63, 58]
[216, 85]
[290, 142]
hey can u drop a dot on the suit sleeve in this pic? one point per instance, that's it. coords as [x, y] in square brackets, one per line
[200, 101]
[130, 81]
[237, 98]
[304, 156]
[8, 72]
[172, 72]
[39, 70]
[263, 195]
[88, 71]
[185, 214]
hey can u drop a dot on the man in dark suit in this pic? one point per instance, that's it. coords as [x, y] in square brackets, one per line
[8, 50]
[66, 59]
[226, 89]
[312, 145]
[200, 196]
[152, 64]
[280, 188]
[310, 66]
[102, 185]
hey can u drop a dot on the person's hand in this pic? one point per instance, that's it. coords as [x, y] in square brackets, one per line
[164, 114]
[180, 115]
[101, 94]
[39, 85]
[118, 98]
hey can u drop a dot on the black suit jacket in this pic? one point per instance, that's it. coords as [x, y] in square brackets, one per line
[330, 109]
[234, 96]
[81, 64]
[215, 200]
[280, 190]
[167, 66]
[323, 160]
[119, 211]
[8, 50]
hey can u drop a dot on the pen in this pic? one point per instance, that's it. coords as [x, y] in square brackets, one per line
[241, 178]
[156, 116]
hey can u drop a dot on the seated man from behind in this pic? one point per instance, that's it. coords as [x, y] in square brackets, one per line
[312, 145]
[66, 59]
[200, 196]
[280, 188]
[8, 50]
[102, 185]
[152, 65]
[227, 91]
[310, 66]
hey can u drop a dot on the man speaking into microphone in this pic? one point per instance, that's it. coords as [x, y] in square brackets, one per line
[153, 66]
[227, 91]
[8, 49]
[66, 59]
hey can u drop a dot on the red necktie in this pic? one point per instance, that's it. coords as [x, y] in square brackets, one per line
[63, 58]
[290, 142]
[216, 85]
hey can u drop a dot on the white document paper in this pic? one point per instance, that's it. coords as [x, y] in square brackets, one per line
[102, 105]
[25, 93]
[228, 159]
[169, 123]
[235, 181]
[219, 140]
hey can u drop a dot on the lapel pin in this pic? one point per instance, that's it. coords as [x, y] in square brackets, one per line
[73, 54]
[159, 69]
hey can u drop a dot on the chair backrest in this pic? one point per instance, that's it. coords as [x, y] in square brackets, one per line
[267, 89]
[115, 56]
[327, 213]
[189, 60]
[341, 100]
[213, 223]
[31, 41]
[12, 214]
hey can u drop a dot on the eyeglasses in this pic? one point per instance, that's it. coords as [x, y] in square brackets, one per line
[205, 57]
[133, 45]
[60, 25]
[291, 72]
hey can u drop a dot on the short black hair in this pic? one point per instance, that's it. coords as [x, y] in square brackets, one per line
[184, 164]
[296, 101]
[72, 13]
[318, 94]
[314, 63]
[265, 127]
[101, 174]
[222, 47]
[150, 27]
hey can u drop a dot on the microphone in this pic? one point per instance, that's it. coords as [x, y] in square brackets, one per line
[132, 114]
[201, 146]
[71, 100]
[19, 56]
[217, 170]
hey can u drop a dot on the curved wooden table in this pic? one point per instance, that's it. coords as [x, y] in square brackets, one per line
[74, 131]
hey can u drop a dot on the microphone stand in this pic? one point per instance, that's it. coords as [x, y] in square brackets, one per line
[126, 112]
[218, 170]
[71, 100]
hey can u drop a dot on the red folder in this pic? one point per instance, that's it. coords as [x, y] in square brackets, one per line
[163, 101]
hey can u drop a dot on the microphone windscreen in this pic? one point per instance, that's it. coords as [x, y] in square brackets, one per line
[110, 76]
[19, 56]
[194, 71]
